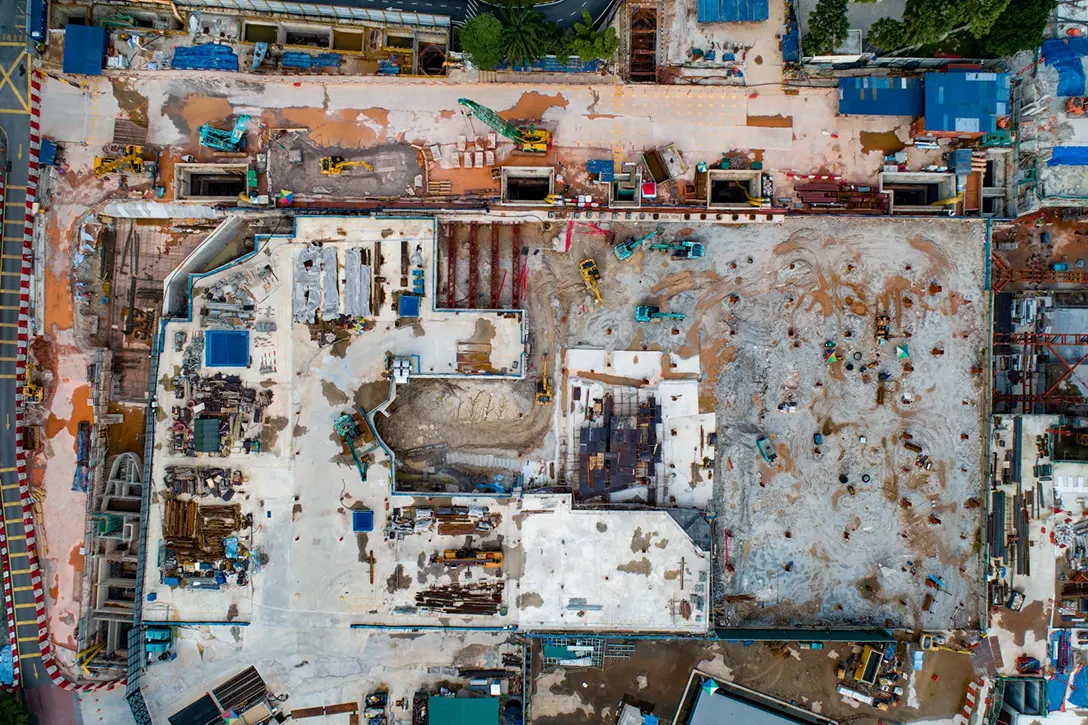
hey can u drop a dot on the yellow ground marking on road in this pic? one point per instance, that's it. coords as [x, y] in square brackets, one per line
[15, 111]
[23, 589]
[7, 376]
[24, 605]
[9, 307]
[15, 239]
[20, 571]
[9, 469]
[5, 341]
[21, 537]
[29, 655]
[7, 81]
[5, 273]
[12, 44]
[13, 187]
[28, 639]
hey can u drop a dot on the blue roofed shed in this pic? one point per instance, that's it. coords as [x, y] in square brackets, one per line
[463, 711]
[409, 306]
[85, 49]
[733, 11]
[880, 96]
[965, 103]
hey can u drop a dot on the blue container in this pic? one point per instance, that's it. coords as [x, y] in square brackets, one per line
[362, 521]
[226, 349]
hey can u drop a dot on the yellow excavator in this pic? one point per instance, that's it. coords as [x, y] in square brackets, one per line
[591, 275]
[32, 393]
[544, 386]
[469, 557]
[132, 160]
[335, 165]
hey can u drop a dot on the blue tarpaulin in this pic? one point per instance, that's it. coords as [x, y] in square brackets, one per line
[733, 11]
[47, 155]
[211, 56]
[966, 101]
[7, 673]
[552, 64]
[1066, 55]
[881, 96]
[1055, 692]
[84, 49]
[226, 349]
[1068, 156]
[362, 521]
[1079, 696]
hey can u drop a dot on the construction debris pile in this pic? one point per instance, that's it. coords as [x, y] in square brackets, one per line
[231, 302]
[872, 675]
[220, 416]
[483, 598]
[618, 446]
[317, 284]
[202, 548]
[450, 520]
[202, 481]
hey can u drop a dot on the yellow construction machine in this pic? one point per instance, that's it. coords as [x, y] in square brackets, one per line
[544, 386]
[132, 160]
[591, 275]
[469, 557]
[32, 393]
[335, 165]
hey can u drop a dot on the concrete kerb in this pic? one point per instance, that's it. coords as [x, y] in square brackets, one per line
[23, 340]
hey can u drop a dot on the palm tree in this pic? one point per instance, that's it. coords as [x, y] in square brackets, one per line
[524, 33]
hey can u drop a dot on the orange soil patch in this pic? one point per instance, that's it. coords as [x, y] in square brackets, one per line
[198, 110]
[55, 587]
[81, 411]
[532, 105]
[75, 559]
[770, 121]
[54, 425]
[347, 130]
[58, 295]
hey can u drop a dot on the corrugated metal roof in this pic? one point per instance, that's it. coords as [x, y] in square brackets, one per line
[881, 96]
[966, 101]
[463, 710]
[84, 49]
[733, 11]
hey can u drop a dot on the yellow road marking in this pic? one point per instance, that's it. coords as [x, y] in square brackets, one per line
[9, 469]
[29, 655]
[15, 239]
[11, 256]
[13, 187]
[6, 80]
[9, 307]
[5, 273]
[7, 376]
[9, 324]
[15, 111]
[9, 342]
[22, 589]
[24, 605]
[21, 537]
[28, 639]
[20, 571]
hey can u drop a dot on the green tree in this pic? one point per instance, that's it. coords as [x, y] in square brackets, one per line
[930, 21]
[888, 34]
[588, 43]
[982, 14]
[827, 27]
[13, 712]
[1019, 27]
[481, 38]
[525, 33]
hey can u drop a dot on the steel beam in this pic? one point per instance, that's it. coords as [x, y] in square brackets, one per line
[451, 268]
[473, 264]
[495, 267]
[515, 256]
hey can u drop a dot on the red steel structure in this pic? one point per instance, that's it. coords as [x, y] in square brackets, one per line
[494, 266]
[451, 268]
[473, 264]
[516, 267]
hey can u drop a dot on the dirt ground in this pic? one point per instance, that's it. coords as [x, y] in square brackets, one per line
[658, 672]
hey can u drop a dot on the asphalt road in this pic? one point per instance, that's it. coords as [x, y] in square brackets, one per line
[49, 703]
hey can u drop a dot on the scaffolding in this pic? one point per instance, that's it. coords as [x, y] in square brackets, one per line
[618, 446]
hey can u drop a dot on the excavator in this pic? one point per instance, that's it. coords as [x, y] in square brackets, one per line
[591, 275]
[132, 160]
[683, 249]
[469, 557]
[651, 313]
[335, 165]
[544, 386]
[232, 141]
[529, 139]
[32, 393]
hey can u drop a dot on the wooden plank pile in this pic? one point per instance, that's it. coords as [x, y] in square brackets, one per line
[196, 532]
[485, 598]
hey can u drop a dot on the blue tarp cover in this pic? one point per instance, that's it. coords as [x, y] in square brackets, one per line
[1055, 692]
[226, 348]
[733, 11]
[7, 672]
[966, 101]
[881, 96]
[362, 521]
[1067, 56]
[84, 48]
[1079, 696]
[47, 156]
[551, 64]
[1068, 156]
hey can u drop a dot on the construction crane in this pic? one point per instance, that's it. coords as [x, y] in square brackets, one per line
[232, 141]
[650, 313]
[544, 386]
[132, 160]
[335, 165]
[530, 139]
[591, 276]
[350, 429]
[469, 557]
[682, 249]
[627, 247]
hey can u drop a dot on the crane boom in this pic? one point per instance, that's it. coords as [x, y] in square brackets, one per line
[492, 119]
